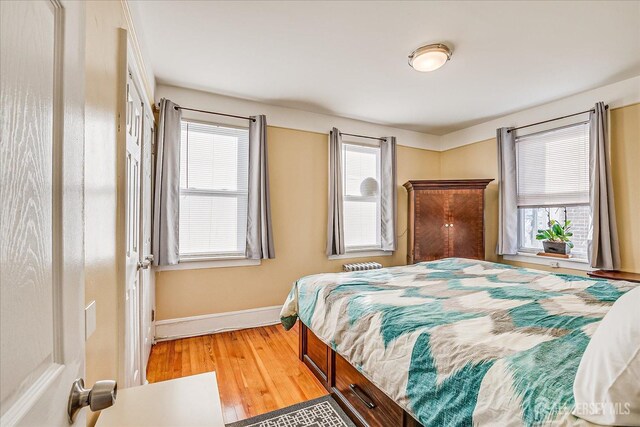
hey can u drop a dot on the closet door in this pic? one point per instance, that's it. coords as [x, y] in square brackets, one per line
[431, 237]
[466, 225]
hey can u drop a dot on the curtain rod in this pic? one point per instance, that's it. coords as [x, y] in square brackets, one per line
[362, 136]
[213, 112]
[606, 107]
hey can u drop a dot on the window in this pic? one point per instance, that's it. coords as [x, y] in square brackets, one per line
[361, 192]
[553, 183]
[213, 190]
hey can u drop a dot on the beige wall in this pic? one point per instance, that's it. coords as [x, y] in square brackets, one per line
[479, 160]
[298, 177]
[101, 80]
[625, 161]
[298, 168]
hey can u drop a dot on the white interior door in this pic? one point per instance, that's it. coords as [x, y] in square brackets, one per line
[147, 282]
[41, 209]
[132, 355]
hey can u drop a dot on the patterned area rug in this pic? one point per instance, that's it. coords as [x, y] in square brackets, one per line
[320, 412]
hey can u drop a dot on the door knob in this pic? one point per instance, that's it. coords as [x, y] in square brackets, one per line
[99, 397]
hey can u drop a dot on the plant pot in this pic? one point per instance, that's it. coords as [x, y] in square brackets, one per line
[556, 248]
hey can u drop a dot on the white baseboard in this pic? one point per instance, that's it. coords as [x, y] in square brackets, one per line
[193, 326]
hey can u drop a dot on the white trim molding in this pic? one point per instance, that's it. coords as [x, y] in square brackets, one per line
[148, 77]
[571, 264]
[289, 118]
[193, 326]
[197, 264]
[362, 254]
[616, 95]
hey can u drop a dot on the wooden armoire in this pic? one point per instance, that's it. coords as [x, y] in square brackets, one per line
[446, 219]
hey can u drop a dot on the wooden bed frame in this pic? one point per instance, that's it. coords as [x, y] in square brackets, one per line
[365, 404]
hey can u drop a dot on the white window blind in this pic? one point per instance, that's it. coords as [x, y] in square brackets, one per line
[553, 167]
[361, 211]
[213, 190]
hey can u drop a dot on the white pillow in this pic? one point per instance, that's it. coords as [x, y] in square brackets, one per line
[607, 384]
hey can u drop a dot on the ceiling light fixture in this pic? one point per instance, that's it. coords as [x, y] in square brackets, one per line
[429, 57]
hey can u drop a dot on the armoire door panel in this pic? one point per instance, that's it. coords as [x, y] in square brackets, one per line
[431, 238]
[445, 219]
[466, 223]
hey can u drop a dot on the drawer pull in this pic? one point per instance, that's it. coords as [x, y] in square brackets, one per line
[360, 394]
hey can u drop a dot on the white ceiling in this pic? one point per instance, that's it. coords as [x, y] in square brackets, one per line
[350, 58]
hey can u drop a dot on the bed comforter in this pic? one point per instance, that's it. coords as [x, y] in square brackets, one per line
[459, 342]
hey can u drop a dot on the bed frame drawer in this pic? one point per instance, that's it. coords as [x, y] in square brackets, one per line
[365, 399]
[352, 390]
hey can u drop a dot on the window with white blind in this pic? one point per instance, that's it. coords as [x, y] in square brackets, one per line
[214, 164]
[553, 183]
[361, 178]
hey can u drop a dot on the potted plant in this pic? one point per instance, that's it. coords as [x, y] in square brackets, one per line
[557, 238]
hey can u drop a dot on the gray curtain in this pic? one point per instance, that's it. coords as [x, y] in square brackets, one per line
[507, 181]
[388, 195]
[605, 251]
[335, 226]
[166, 212]
[259, 232]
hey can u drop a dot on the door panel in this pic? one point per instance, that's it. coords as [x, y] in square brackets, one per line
[431, 238]
[132, 353]
[27, 181]
[466, 234]
[147, 291]
[41, 214]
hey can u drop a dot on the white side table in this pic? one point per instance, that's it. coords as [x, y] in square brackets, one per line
[189, 401]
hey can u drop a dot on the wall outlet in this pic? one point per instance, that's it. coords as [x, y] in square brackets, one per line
[89, 320]
[554, 264]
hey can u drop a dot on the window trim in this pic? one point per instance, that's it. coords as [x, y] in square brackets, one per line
[210, 259]
[197, 263]
[217, 124]
[529, 255]
[532, 251]
[371, 250]
[569, 263]
[362, 253]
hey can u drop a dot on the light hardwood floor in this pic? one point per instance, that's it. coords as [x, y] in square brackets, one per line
[258, 369]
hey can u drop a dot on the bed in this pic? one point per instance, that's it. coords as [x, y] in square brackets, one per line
[453, 342]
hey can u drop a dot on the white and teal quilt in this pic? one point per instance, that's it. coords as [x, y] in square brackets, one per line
[458, 342]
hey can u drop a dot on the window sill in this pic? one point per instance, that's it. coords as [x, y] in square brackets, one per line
[362, 254]
[200, 263]
[572, 264]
